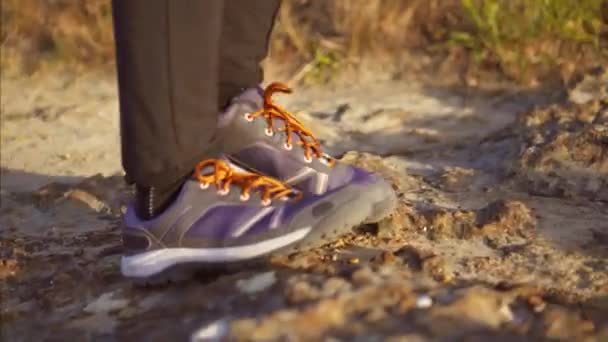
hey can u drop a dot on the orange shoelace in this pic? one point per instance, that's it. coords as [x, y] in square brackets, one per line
[271, 111]
[223, 176]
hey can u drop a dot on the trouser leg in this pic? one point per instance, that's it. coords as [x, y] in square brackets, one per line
[167, 54]
[246, 29]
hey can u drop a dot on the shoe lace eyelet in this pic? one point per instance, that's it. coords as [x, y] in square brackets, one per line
[223, 192]
[266, 202]
[248, 117]
[203, 186]
[269, 132]
[244, 197]
[308, 159]
[287, 146]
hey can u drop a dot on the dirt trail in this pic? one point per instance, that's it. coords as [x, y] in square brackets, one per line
[501, 232]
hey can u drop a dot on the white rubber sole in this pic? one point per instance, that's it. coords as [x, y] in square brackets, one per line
[148, 264]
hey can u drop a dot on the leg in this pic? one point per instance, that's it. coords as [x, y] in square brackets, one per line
[167, 62]
[246, 31]
[168, 55]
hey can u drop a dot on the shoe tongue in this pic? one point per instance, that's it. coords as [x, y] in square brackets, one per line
[252, 96]
[250, 100]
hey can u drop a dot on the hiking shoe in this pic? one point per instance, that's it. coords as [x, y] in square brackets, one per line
[225, 215]
[260, 135]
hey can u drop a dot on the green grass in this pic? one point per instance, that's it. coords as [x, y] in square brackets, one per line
[523, 34]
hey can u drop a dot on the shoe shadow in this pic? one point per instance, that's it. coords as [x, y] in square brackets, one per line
[12, 180]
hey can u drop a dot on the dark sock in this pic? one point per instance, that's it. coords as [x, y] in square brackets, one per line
[152, 201]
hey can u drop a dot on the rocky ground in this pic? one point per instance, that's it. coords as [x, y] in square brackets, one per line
[501, 232]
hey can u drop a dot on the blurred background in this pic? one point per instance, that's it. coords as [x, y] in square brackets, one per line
[472, 42]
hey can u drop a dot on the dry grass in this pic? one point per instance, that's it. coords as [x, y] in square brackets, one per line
[330, 35]
[38, 32]
[526, 41]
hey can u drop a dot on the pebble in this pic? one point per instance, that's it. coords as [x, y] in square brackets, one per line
[424, 302]
[105, 303]
[257, 283]
[506, 312]
[365, 276]
[212, 332]
[537, 303]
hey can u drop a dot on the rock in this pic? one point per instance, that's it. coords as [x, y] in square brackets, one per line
[423, 260]
[375, 314]
[97, 192]
[257, 283]
[564, 150]
[497, 218]
[105, 303]
[593, 86]
[215, 331]
[561, 325]
[333, 286]
[389, 227]
[475, 307]
[86, 198]
[439, 268]
[412, 257]
[456, 179]
[511, 217]
[301, 291]
[365, 276]
[386, 258]
[8, 267]
[424, 302]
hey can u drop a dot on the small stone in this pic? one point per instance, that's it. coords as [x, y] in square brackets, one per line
[353, 260]
[375, 314]
[365, 276]
[424, 302]
[301, 291]
[215, 331]
[335, 285]
[506, 312]
[257, 283]
[8, 268]
[387, 227]
[537, 303]
[339, 243]
[438, 268]
[387, 258]
[105, 303]
[86, 198]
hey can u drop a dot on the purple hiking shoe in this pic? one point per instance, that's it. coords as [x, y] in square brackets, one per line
[261, 136]
[226, 215]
